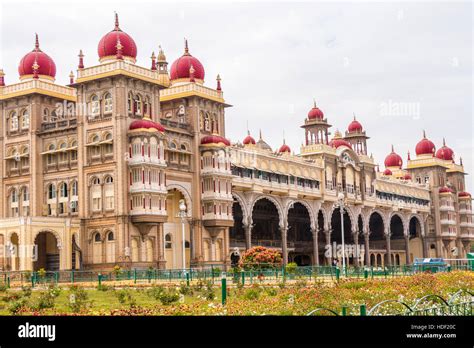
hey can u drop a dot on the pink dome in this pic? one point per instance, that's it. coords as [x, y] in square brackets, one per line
[315, 113]
[180, 69]
[425, 146]
[44, 64]
[145, 123]
[214, 139]
[108, 44]
[393, 160]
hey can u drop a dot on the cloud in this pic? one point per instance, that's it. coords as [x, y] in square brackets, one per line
[275, 57]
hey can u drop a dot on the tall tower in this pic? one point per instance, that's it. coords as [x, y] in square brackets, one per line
[316, 127]
[356, 136]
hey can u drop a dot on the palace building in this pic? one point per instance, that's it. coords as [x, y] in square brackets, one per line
[94, 174]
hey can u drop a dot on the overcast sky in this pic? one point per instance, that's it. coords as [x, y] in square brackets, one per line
[275, 57]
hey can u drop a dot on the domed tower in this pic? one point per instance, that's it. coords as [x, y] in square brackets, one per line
[37, 65]
[187, 68]
[163, 76]
[316, 127]
[117, 44]
[147, 177]
[356, 136]
[216, 191]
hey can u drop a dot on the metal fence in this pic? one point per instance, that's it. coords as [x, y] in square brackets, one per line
[261, 274]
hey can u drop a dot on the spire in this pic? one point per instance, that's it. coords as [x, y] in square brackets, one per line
[186, 48]
[71, 78]
[119, 47]
[460, 160]
[81, 60]
[191, 73]
[116, 22]
[218, 79]
[153, 61]
[261, 134]
[353, 113]
[161, 55]
[393, 150]
[2, 78]
[314, 103]
[37, 45]
[444, 141]
[409, 155]
[424, 134]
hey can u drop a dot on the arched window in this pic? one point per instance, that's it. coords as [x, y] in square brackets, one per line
[45, 115]
[109, 147]
[168, 244]
[110, 236]
[63, 191]
[14, 121]
[14, 196]
[95, 181]
[109, 180]
[51, 159]
[51, 191]
[74, 151]
[26, 194]
[97, 237]
[74, 188]
[25, 160]
[138, 105]
[63, 152]
[108, 104]
[25, 119]
[95, 149]
[130, 103]
[95, 105]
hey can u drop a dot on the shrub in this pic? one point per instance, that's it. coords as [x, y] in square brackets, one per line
[125, 297]
[185, 289]
[271, 291]
[155, 292]
[26, 291]
[103, 287]
[78, 298]
[252, 294]
[41, 273]
[45, 300]
[259, 258]
[15, 306]
[3, 287]
[291, 268]
[169, 297]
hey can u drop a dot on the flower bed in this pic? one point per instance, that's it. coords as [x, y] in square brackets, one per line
[297, 298]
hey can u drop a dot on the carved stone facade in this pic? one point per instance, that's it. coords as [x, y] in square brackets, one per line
[93, 174]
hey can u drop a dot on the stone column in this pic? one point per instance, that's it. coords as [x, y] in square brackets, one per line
[356, 249]
[248, 236]
[424, 246]
[327, 234]
[284, 244]
[161, 246]
[314, 232]
[407, 249]
[389, 251]
[366, 247]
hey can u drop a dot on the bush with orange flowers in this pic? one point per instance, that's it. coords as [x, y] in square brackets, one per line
[260, 257]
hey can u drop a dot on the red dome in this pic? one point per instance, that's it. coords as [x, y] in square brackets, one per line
[180, 69]
[387, 172]
[214, 139]
[339, 142]
[425, 146]
[284, 148]
[393, 160]
[46, 66]
[108, 44]
[146, 123]
[464, 194]
[354, 126]
[315, 113]
[445, 153]
[407, 177]
[445, 189]
[249, 139]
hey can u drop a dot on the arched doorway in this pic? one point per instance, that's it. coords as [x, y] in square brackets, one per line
[299, 236]
[377, 241]
[14, 254]
[397, 239]
[47, 252]
[173, 233]
[415, 239]
[266, 231]
[336, 233]
[237, 232]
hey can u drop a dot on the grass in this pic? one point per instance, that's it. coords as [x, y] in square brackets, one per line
[292, 298]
